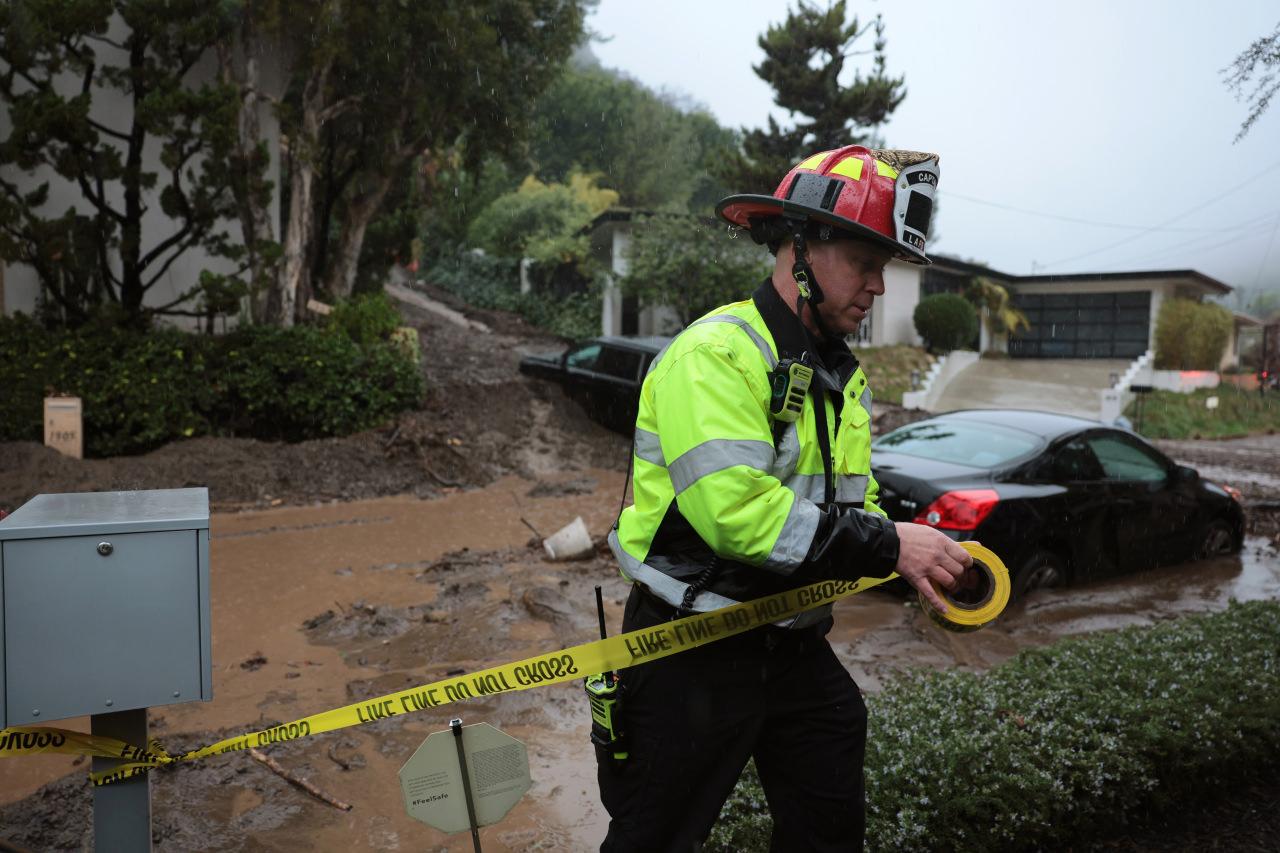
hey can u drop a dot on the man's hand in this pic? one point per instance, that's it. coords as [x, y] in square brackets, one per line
[925, 553]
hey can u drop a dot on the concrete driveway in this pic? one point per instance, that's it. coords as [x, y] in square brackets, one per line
[1068, 386]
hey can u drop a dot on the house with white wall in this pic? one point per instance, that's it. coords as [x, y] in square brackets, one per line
[1108, 315]
[111, 107]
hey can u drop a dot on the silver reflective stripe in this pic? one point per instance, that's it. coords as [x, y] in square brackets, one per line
[717, 455]
[788, 454]
[796, 537]
[812, 487]
[851, 488]
[657, 358]
[865, 399]
[671, 590]
[663, 585]
[760, 342]
[649, 448]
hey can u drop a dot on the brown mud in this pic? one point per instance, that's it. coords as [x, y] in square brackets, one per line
[336, 579]
[350, 601]
[480, 420]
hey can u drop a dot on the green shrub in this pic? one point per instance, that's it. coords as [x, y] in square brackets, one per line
[1062, 744]
[1191, 335]
[366, 319]
[946, 321]
[306, 382]
[142, 389]
[488, 282]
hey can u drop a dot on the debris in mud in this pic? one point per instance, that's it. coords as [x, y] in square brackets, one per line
[547, 604]
[571, 542]
[356, 760]
[464, 593]
[576, 486]
[317, 621]
[362, 620]
[254, 662]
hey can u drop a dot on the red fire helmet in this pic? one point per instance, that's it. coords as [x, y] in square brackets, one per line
[884, 197]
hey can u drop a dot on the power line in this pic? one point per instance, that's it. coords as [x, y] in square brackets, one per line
[1077, 221]
[1262, 262]
[1182, 245]
[1181, 249]
[1253, 177]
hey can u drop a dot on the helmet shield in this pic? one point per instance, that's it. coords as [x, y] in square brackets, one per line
[913, 203]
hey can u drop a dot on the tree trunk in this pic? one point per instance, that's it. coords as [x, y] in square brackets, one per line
[131, 287]
[293, 284]
[359, 212]
[247, 165]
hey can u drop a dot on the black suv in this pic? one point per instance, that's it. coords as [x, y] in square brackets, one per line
[602, 374]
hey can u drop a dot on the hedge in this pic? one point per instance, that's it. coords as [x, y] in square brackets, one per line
[488, 282]
[946, 321]
[142, 389]
[1191, 335]
[1062, 744]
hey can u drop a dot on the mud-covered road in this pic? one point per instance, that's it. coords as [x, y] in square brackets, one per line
[315, 607]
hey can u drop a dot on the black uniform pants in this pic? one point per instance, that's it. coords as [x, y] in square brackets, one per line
[693, 719]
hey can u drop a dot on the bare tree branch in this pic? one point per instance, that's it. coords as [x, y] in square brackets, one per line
[1264, 51]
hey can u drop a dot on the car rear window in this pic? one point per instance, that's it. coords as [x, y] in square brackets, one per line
[978, 445]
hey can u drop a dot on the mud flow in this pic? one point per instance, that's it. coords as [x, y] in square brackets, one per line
[315, 607]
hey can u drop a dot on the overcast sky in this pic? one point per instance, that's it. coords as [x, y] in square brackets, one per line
[1110, 112]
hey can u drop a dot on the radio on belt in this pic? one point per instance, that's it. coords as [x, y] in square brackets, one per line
[104, 604]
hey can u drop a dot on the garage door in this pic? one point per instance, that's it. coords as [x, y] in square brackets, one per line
[1083, 325]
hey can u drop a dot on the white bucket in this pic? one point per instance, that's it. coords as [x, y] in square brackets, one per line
[571, 542]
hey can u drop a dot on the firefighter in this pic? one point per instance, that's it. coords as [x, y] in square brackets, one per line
[746, 484]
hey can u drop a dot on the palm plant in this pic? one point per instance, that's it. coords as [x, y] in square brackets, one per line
[995, 306]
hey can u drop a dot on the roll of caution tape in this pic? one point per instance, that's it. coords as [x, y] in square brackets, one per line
[571, 664]
[982, 596]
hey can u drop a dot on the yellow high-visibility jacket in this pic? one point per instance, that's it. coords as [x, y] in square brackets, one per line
[717, 480]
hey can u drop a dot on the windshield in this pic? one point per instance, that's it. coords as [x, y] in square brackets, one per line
[974, 444]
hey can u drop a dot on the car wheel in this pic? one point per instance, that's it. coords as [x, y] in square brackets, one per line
[1042, 571]
[1218, 540]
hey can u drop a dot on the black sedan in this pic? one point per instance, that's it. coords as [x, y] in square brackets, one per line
[1061, 500]
[602, 374]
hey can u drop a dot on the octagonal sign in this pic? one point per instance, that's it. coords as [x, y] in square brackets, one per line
[497, 765]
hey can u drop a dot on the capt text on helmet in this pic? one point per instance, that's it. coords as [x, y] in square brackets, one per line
[753, 475]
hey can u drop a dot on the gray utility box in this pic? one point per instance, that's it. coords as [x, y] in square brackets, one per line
[104, 604]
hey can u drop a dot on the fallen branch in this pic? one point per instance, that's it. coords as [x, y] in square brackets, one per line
[333, 756]
[274, 766]
[441, 480]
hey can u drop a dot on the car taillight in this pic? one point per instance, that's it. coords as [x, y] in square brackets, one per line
[960, 510]
[1235, 493]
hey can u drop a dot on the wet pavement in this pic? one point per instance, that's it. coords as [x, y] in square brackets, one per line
[1067, 386]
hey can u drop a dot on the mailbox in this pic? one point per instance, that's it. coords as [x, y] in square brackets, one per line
[104, 604]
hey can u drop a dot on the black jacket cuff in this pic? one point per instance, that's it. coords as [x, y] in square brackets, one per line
[851, 543]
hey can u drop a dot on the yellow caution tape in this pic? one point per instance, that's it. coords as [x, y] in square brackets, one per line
[614, 653]
[971, 608]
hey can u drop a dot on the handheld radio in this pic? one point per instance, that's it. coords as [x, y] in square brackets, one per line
[605, 697]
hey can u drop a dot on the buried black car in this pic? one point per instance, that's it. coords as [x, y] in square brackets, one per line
[603, 375]
[1060, 499]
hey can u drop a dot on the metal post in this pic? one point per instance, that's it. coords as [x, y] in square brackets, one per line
[456, 725]
[122, 810]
